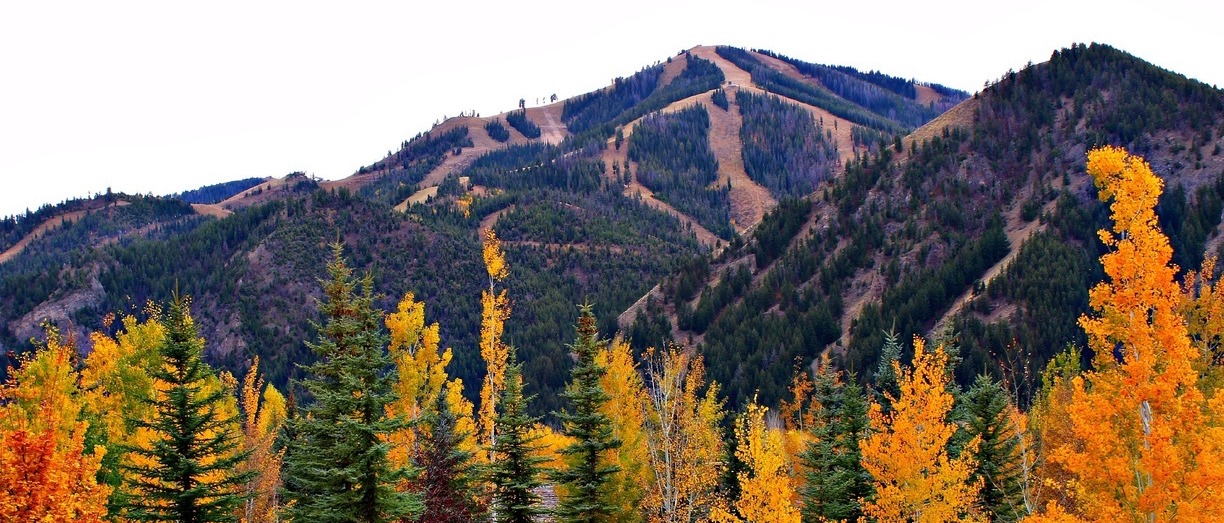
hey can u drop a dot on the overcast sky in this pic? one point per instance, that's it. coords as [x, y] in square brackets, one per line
[165, 96]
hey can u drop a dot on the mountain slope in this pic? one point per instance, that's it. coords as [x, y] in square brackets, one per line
[597, 198]
[979, 225]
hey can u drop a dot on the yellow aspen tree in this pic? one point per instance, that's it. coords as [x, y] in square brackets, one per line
[907, 451]
[683, 437]
[626, 408]
[766, 493]
[495, 310]
[421, 373]
[1148, 445]
[263, 414]
[117, 387]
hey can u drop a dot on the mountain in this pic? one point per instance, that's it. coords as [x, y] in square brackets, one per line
[788, 209]
[979, 227]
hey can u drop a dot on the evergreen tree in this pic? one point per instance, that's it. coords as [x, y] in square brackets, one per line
[986, 414]
[515, 472]
[885, 377]
[447, 474]
[186, 473]
[587, 473]
[837, 483]
[337, 467]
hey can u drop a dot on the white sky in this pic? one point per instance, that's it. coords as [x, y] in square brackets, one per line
[165, 96]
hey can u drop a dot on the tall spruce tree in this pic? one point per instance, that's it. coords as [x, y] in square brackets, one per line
[885, 377]
[186, 473]
[986, 413]
[836, 480]
[336, 466]
[515, 472]
[587, 471]
[447, 475]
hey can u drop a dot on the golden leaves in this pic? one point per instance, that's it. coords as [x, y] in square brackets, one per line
[1143, 443]
[915, 478]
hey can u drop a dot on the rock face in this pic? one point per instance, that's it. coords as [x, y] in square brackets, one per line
[59, 310]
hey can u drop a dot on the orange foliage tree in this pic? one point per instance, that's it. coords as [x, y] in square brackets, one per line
[46, 472]
[915, 478]
[1148, 443]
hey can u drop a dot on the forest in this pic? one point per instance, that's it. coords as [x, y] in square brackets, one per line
[1128, 425]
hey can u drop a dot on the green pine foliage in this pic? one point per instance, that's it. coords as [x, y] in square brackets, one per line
[518, 120]
[675, 161]
[448, 477]
[985, 413]
[785, 149]
[336, 469]
[497, 131]
[587, 473]
[196, 446]
[515, 472]
[837, 484]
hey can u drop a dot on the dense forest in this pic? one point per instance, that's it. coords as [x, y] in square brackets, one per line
[377, 429]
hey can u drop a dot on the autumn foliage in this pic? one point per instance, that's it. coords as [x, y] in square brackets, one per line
[1147, 441]
[907, 453]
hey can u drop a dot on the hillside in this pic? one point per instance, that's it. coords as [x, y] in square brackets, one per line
[597, 197]
[978, 227]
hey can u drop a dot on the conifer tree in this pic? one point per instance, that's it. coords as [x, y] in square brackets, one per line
[515, 471]
[986, 413]
[336, 466]
[187, 472]
[588, 472]
[885, 379]
[447, 474]
[837, 483]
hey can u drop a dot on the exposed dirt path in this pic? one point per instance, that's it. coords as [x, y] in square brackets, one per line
[489, 221]
[672, 69]
[749, 200]
[216, 211]
[548, 118]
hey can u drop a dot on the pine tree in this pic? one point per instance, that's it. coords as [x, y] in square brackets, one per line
[986, 414]
[588, 472]
[336, 467]
[515, 471]
[447, 474]
[885, 378]
[186, 473]
[837, 483]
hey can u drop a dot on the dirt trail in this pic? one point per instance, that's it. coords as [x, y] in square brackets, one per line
[548, 118]
[672, 69]
[216, 211]
[489, 221]
[749, 200]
